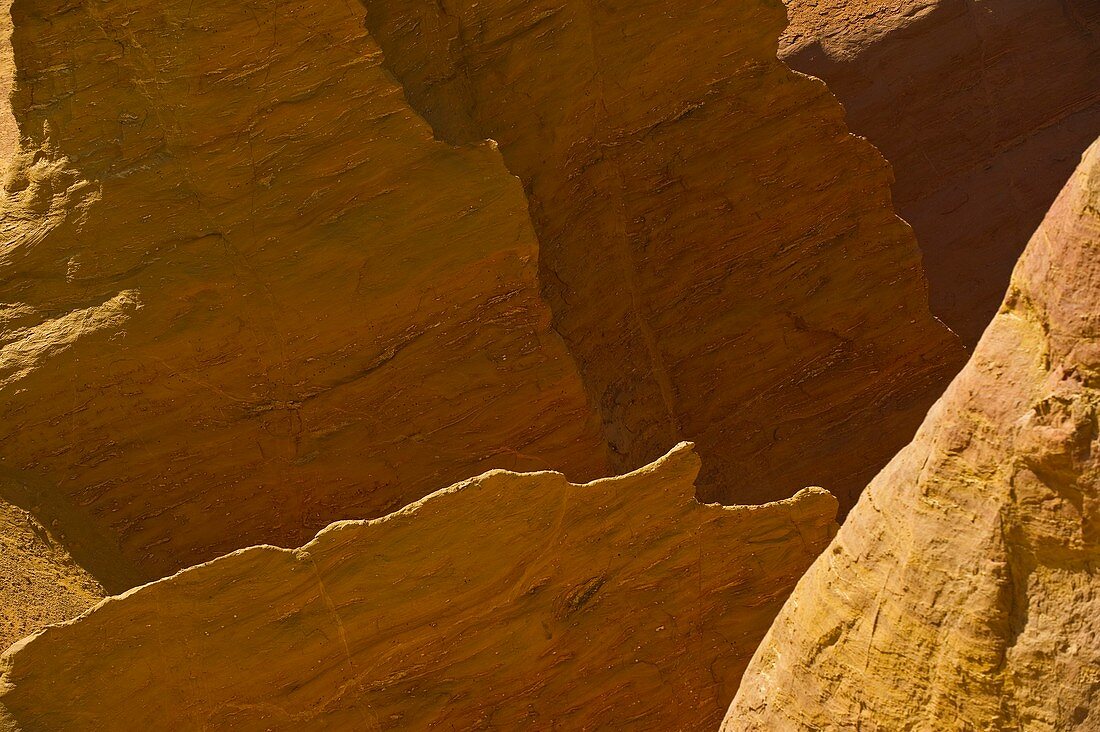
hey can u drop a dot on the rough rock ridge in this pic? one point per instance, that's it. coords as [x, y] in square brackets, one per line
[704, 217]
[504, 602]
[983, 108]
[963, 590]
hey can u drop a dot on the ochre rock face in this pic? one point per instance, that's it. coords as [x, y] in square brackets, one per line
[247, 294]
[9, 135]
[982, 107]
[507, 602]
[962, 592]
[719, 253]
[40, 583]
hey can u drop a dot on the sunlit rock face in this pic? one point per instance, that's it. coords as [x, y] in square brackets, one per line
[40, 582]
[962, 592]
[257, 276]
[506, 602]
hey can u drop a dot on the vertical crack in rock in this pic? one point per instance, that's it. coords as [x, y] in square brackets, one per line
[701, 218]
[508, 601]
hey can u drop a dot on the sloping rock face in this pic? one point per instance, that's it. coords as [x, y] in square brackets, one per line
[719, 253]
[982, 107]
[40, 583]
[963, 591]
[245, 291]
[506, 602]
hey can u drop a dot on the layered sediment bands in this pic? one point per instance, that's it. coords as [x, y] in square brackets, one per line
[962, 592]
[507, 601]
[719, 253]
[40, 583]
[246, 293]
[983, 108]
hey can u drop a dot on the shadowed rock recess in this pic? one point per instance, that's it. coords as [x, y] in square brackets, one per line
[720, 255]
[274, 272]
[983, 108]
[504, 602]
[962, 592]
[246, 292]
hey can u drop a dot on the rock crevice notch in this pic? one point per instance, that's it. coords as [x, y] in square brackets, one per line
[719, 253]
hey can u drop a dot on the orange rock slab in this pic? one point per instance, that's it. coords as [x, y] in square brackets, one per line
[719, 253]
[245, 293]
[963, 591]
[508, 601]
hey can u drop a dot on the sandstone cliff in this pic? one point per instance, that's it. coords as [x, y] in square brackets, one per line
[245, 292]
[9, 134]
[962, 592]
[982, 107]
[506, 602]
[719, 253]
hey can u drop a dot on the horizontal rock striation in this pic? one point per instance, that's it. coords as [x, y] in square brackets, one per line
[507, 601]
[963, 590]
[244, 291]
[720, 255]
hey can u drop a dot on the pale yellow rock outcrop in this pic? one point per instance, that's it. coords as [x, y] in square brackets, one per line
[964, 589]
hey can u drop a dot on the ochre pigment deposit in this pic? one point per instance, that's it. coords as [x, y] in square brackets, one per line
[720, 255]
[274, 273]
[504, 602]
[247, 292]
[40, 583]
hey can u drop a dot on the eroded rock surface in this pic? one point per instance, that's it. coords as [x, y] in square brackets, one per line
[507, 601]
[983, 108]
[719, 253]
[963, 590]
[40, 583]
[246, 293]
